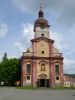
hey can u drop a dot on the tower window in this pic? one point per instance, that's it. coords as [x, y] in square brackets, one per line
[42, 52]
[42, 35]
[57, 77]
[42, 26]
[28, 68]
[57, 69]
[28, 77]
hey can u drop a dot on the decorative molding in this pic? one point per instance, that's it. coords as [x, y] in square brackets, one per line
[43, 76]
[43, 61]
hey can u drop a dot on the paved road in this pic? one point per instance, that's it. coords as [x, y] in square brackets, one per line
[41, 94]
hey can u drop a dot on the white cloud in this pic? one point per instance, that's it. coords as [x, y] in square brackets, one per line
[65, 9]
[69, 61]
[27, 34]
[69, 66]
[12, 56]
[27, 30]
[3, 29]
[59, 41]
[19, 46]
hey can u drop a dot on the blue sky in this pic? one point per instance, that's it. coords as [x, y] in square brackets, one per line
[16, 27]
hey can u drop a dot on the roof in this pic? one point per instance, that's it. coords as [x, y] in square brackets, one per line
[42, 38]
[41, 21]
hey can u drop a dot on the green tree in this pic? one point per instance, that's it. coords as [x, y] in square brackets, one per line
[5, 56]
[10, 70]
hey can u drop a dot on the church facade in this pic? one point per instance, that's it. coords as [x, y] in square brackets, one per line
[42, 64]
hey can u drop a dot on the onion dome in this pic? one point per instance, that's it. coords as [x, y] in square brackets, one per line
[41, 21]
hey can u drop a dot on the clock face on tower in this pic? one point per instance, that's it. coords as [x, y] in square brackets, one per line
[42, 30]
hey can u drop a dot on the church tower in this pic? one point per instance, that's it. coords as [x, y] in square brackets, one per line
[42, 64]
[41, 26]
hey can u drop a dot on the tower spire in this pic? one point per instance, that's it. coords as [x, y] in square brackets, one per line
[41, 7]
[41, 14]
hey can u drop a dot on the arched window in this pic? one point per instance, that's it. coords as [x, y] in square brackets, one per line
[43, 67]
[28, 68]
[57, 69]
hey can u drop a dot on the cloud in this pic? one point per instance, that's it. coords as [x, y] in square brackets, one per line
[67, 15]
[58, 38]
[26, 35]
[19, 46]
[69, 61]
[69, 65]
[64, 8]
[61, 45]
[3, 29]
[32, 5]
[27, 30]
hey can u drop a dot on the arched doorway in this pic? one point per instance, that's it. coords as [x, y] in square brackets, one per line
[43, 80]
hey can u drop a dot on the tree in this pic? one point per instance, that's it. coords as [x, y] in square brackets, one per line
[10, 70]
[5, 56]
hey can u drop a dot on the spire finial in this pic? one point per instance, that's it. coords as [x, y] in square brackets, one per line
[41, 7]
[41, 11]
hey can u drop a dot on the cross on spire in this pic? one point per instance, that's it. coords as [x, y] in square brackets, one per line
[41, 11]
[41, 7]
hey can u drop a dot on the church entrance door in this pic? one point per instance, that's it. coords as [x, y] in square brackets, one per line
[42, 82]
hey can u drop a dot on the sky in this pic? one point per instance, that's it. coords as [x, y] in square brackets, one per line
[17, 21]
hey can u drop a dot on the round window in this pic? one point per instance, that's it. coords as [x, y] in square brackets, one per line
[28, 77]
[57, 78]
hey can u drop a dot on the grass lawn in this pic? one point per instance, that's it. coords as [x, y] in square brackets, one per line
[35, 88]
[26, 87]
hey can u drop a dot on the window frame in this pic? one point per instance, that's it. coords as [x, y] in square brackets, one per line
[57, 70]
[28, 71]
[28, 77]
[57, 78]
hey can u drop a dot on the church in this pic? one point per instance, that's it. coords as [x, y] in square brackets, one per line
[42, 63]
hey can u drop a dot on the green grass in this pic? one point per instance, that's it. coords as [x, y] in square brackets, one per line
[62, 88]
[26, 87]
[58, 88]
[35, 88]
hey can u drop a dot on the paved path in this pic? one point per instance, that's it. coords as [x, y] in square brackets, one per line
[41, 94]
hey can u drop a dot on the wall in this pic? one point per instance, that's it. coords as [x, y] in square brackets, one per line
[41, 46]
[40, 31]
[47, 69]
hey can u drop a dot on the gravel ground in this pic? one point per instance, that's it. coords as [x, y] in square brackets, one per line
[40, 94]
